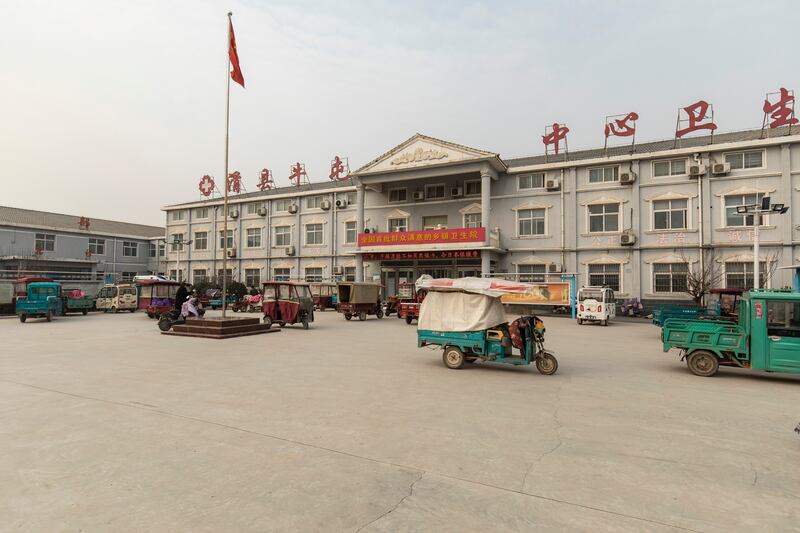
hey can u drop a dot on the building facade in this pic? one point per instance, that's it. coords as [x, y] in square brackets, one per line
[638, 218]
[84, 253]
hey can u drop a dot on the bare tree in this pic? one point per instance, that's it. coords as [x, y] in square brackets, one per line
[701, 279]
[771, 266]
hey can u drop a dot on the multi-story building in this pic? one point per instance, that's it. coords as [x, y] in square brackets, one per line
[84, 252]
[636, 218]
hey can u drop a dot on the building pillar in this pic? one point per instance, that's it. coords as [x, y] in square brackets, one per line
[359, 230]
[486, 207]
[486, 262]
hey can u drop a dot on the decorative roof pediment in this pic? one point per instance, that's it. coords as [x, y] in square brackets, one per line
[604, 259]
[530, 260]
[470, 209]
[397, 213]
[670, 195]
[423, 151]
[531, 205]
[672, 258]
[605, 200]
[745, 190]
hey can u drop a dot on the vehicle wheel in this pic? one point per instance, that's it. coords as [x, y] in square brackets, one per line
[379, 313]
[49, 316]
[305, 322]
[348, 316]
[114, 310]
[408, 320]
[22, 318]
[84, 312]
[362, 316]
[399, 316]
[453, 358]
[605, 322]
[703, 363]
[164, 323]
[546, 364]
[580, 321]
[282, 323]
[268, 321]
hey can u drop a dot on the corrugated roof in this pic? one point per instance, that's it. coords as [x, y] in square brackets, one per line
[58, 221]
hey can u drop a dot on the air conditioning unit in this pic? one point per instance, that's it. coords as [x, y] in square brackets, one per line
[720, 169]
[696, 170]
[292, 208]
[626, 178]
[552, 184]
[290, 250]
[627, 238]
[326, 204]
[262, 211]
[419, 195]
[555, 268]
[233, 213]
[367, 230]
[456, 192]
[231, 253]
[341, 203]
[338, 270]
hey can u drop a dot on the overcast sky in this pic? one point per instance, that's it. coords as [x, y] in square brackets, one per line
[112, 109]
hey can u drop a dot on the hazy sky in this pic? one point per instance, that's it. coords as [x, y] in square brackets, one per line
[111, 109]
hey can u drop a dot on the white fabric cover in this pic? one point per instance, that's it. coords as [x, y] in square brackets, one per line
[489, 286]
[460, 311]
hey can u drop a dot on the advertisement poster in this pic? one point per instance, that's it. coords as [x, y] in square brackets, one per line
[542, 294]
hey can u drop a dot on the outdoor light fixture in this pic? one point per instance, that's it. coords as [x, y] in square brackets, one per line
[741, 209]
[757, 211]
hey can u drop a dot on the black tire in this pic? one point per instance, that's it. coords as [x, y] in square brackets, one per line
[702, 363]
[164, 324]
[362, 316]
[49, 316]
[84, 312]
[305, 322]
[580, 321]
[546, 364]
[348, 316]
[268, 321]
[281, 323]
[379, 313]
[453, 358]
[399, 316]
[114, 310]
[605, 322]
[23, 318]
[408, 320]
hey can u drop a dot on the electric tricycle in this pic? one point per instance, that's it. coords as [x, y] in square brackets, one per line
[76, 301]
[42, 300]
[287, 302]
[596, 304]
[409, 303]
[324, 295]
[157, 296]
[359, 299]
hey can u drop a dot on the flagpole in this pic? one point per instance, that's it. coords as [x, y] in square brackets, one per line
[225, 201]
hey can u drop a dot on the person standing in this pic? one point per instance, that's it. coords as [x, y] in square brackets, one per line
[181, 296]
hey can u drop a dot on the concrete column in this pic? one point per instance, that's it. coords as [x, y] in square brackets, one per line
[359, 229]
[486, 265]
[486, 208]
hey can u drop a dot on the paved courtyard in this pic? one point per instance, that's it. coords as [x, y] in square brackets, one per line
[108, 426]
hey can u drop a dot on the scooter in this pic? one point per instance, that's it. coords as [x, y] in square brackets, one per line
[173, 317]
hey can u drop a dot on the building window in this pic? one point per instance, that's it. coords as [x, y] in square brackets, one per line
[472, 188]
[253, 207]
[313, 274]
[741, 160]
[434, 192]
[530, 222]
[350, 197]
[252, 277]
[98, 247]
[670, 167]
[45, 242]
[670, 277]
[282, 204]
[253, 237]
[201, 212]
[283, 236]
[173, 274]
[784, 319]
[739, 275]
[605, 275]
[314, 202]
[228, 274]
[531, 273]
[670, 214]
[201, 240]
[530, 181]
[472, 220]
[177, 215]
[398, 195]
[130, 249]
[176, 242]
[226, 243]
[281, 274]
[434, 222]
[349, 273]
[199, 275]
[314, 234]
[162, 249]
[603, 174]
[398, 224]
[603, 218]
[350, 232]
[732, 218]
[152, 249]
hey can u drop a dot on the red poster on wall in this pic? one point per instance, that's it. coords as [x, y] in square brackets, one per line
[430, 236]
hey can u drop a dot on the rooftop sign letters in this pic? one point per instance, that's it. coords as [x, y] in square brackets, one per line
[419, 155]
[430, 236]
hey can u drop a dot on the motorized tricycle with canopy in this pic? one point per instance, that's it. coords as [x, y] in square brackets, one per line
[157, 296]
[324, 295]
[409, 301]
[42, 300]
[359, 299]
[596, 304]
[287, 302]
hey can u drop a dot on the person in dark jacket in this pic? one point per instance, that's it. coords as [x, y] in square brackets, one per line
[181, 296]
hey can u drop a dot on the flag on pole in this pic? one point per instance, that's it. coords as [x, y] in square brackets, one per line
[236, 71]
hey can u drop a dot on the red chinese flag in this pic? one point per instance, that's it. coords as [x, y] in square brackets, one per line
[236, 71]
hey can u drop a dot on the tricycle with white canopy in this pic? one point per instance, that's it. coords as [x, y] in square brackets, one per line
[466, 318]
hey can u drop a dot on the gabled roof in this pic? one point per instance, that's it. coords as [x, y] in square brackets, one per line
[15, 216]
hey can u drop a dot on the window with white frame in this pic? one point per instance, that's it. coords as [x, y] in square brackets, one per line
[98, 247]
[603, 174]
[350, 273]
[200, 240]
[669, 167]
[223, 242]
[176, 242]
[397, 224]
[313, 274]
[530, 181]
[314, 234]
[605, 275]
[603, 218]
[152, 249]
[739, 274]
[435, 191]
[743, 160]
[283, 235]
[173, 274]
[531, 222]
[282, 204]
[670, 214]
[162, 249]
[45, 242]
[253, 238]
[350, 232]
[670, 277]
[228, 274]
[732, 201]
[252, 277]
[199, 275]
[314, 202]
[201, 212]
[253, 207]
[281, 274]
[472, 188]
[472, 220]
[434, 222]
[398, 195]
[130, 249]
[531, 273]
[177, 215]
[127, 276]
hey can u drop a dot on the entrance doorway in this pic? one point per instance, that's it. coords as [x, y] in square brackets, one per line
[393, 278]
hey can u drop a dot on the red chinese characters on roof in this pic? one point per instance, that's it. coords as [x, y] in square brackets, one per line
[555, 136]
[265, 183]
[622, 127]
[339, 169]
[781, 112]
[84, 223]
[697, 118]
[298, 173]
[206, 185]
[234, 182]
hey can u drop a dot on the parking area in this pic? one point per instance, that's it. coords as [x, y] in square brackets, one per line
[108, 425]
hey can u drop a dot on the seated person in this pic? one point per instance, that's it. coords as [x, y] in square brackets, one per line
[190, 306]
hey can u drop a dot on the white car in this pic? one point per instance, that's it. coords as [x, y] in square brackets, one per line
[596, 304]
